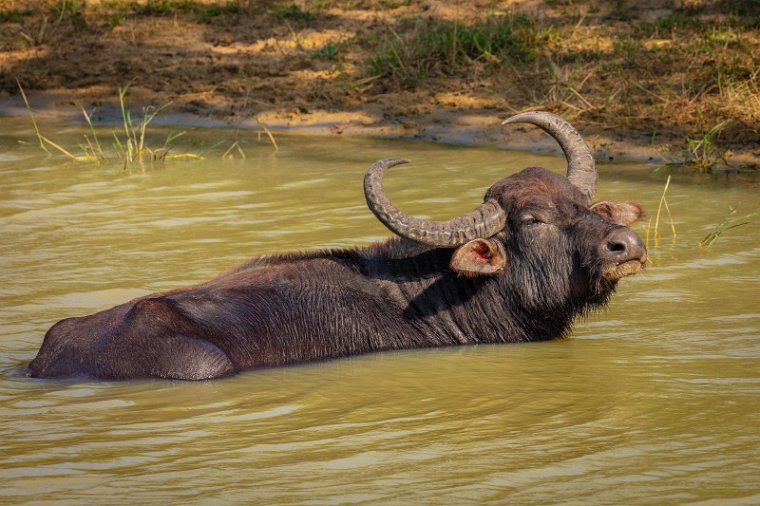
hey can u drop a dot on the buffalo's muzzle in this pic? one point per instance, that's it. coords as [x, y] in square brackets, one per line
[623, 253]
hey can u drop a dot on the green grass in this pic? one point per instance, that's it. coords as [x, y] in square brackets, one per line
[132, 148]
[201, 12]
[410, 54]
[129, 148]
[700, 154]
[730, 222]
[330, 51]
[292, 12]
[116, 12]
[69, 11]
[165, 7]
[13, 15]
[213, 12]
[130, 144]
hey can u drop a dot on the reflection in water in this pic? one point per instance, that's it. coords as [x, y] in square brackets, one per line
[652, 401]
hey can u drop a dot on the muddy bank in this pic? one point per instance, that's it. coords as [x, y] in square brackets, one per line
[451, 127]
[636, 82]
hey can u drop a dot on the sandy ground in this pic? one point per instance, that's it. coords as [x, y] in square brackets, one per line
[299, 65]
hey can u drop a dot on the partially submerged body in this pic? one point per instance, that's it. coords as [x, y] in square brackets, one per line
[519, 268]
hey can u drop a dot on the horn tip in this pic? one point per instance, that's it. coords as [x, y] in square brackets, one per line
[387, 163]
[519, 117]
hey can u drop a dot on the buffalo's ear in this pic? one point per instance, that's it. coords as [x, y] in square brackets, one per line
[620, 214]
[479, 257]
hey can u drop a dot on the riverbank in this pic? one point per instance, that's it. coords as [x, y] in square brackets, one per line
[639, 81]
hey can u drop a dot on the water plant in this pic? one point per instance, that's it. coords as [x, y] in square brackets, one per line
[130, 144]
[700, 154]
[132, 147]
[730, 222]
[129, 148]
[653, 231]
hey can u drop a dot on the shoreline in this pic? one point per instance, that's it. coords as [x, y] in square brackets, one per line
[455, 127]
[642, 80]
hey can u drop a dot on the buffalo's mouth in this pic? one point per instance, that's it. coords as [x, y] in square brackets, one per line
[620, 270]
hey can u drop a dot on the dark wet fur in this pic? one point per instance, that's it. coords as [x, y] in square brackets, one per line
[398, 294]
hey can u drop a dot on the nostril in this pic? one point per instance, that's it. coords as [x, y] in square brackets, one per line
[616, 247]
[620, 245]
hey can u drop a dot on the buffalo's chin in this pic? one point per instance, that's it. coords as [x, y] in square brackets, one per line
[615, 272]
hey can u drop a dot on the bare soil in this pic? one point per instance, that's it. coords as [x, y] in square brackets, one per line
[636, 77]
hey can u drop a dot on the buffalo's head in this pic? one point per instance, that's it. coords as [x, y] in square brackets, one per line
[537, 230]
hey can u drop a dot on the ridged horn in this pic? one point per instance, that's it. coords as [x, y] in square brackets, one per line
[488, 219]
[581, 170]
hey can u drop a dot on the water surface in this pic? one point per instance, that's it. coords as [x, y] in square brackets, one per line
[653, 401]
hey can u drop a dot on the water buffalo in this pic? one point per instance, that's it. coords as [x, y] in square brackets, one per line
[534, 255]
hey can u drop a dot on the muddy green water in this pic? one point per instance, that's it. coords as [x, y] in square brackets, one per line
[653, 401]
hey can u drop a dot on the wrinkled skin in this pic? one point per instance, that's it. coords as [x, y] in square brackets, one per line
[555, 259]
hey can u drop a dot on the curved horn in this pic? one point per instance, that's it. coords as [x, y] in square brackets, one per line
[488, 219]
[580, 163]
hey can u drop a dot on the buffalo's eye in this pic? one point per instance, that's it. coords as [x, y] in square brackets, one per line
[531, 219]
